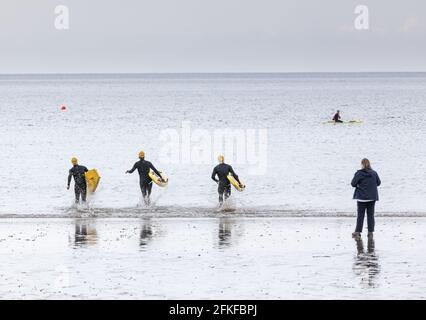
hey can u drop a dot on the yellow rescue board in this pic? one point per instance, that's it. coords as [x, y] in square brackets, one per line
[92, 180]
[235, 183]
[156, 178]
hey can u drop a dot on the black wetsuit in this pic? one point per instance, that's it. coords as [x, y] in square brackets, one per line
[145, 181]
[80, 186]
[224, 186]
[336, 118]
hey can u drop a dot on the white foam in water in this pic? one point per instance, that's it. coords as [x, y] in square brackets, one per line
[109, 119]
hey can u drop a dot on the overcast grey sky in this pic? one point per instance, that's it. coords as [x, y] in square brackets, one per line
[212, 36]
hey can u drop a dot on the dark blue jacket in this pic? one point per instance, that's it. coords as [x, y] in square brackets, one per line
[365, 183]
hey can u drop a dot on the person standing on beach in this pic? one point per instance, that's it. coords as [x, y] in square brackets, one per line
[145, 181]
[80, 185]
[336, 117]
[224, 186]
[365, 183]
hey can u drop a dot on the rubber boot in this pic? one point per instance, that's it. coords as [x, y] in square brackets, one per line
[356, 235]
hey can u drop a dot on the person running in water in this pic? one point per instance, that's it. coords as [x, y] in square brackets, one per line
[365, 182]
[336, 117]
[145, 180]
[224, 186]
[80, 186]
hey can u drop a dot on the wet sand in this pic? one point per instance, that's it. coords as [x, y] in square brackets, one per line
[211, 258]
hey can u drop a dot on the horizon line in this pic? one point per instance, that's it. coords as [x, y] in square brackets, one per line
[198, 73]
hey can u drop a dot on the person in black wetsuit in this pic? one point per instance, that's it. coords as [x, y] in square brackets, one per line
[224, 186]
[145, 181]
[80, 186]
[336, 117]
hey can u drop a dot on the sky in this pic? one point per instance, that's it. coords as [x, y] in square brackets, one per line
[161, 36]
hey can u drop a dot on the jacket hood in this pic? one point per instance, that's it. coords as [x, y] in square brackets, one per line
[366, 172]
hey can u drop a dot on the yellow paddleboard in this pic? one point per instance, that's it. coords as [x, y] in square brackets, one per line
[344, 122]
[92, 180]
[156, 178]
[235, 183]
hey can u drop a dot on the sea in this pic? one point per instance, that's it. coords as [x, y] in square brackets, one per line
[272, 128]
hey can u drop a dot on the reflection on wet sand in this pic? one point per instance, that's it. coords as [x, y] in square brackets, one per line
[253, 258]
[146, 234]
[85, 233]
[225, 232]
[366, 264]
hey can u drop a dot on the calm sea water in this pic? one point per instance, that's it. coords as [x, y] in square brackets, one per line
[309, 164]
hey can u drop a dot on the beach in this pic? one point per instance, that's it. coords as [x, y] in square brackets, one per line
[210, 258]
[287, 236]
[235, 151]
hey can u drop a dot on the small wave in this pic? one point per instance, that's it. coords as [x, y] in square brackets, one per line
[193, 212]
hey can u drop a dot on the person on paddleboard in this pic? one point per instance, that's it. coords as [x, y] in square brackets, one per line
[336, 117]
[145, 180]
[80, 185]
[224, 186]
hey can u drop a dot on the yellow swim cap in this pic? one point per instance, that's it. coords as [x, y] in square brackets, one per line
[141, 154]
[221, 158]
[74, 160]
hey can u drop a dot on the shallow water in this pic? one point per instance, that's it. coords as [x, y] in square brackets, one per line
[309, 164]
[139, 211]
[210, 258]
